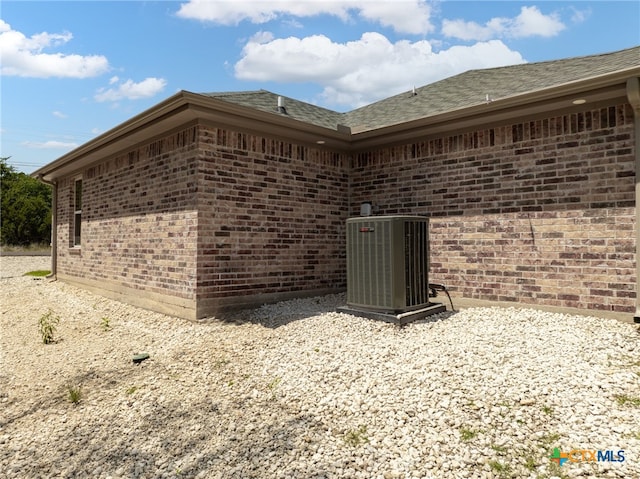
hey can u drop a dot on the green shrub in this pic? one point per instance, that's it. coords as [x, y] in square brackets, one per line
[624, 399]
[106, 326]
[355, 437]
[499, 468]
[25, 208]
[48, 323]
[75, 394]
[467, 434]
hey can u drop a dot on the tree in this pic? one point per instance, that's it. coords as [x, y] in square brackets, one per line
[25, 208]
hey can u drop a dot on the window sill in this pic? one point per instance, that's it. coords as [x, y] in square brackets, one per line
[75, 250]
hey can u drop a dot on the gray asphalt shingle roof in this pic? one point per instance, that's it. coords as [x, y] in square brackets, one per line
[267, 101]
[472, 87]
[460, 91]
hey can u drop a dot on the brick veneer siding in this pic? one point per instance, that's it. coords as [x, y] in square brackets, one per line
[271, 219]
[206, 219]
[537, 212]
[139, 225]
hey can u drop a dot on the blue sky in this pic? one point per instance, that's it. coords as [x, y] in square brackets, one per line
[73, 70]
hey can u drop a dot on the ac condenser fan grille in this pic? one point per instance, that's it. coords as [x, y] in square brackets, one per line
[388, 263]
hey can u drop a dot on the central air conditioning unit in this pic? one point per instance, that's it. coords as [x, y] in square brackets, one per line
[388, 263]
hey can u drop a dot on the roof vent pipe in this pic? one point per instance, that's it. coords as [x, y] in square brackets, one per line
[281, 107]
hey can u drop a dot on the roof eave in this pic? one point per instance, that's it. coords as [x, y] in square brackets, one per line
[180, 109]
[226, 114]
[593, 90]
[165, 108]
[185, 107]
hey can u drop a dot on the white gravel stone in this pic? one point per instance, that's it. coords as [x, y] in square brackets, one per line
[297, 390]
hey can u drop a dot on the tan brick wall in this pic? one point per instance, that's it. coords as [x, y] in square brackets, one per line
[539, 212]
[272, 218]
[139, 224]
[206, 217]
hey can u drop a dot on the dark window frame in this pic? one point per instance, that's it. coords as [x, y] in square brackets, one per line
[77, 212]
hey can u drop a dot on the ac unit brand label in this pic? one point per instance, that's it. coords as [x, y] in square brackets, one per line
[367, 229]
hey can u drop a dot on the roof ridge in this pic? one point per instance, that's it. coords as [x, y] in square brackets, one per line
[556, 60]
[235, 92]
[461, 90]
[474, 87]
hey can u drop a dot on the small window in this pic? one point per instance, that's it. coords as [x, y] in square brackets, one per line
[77, 213]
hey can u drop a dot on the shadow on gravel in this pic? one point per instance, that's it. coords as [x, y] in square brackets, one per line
[58, 396]
[8, 419]
[178, 439]
[230, 449]
[124, 426]
[435, 318]
[268, 316]
[275, 315]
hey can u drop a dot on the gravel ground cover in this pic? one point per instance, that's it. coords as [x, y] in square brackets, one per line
[296, 390]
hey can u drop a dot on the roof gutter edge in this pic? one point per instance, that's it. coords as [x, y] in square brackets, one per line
[180, 100]
[165, 107]
[520, 100]
[378, 135]
[341, 132]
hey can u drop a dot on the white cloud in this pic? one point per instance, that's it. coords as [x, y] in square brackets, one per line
[59, 114]
[532, 22]
[412, 16]
[579, 16]
[24, 57]
[529, 23]
[464, 30]
[261, 37]
[131, 90]
[407, 16]
[51, 144]
[359, 72]
[293, 23]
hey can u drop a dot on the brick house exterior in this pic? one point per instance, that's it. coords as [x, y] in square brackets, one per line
[204, 218]
[538, 212]
[211, 201]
